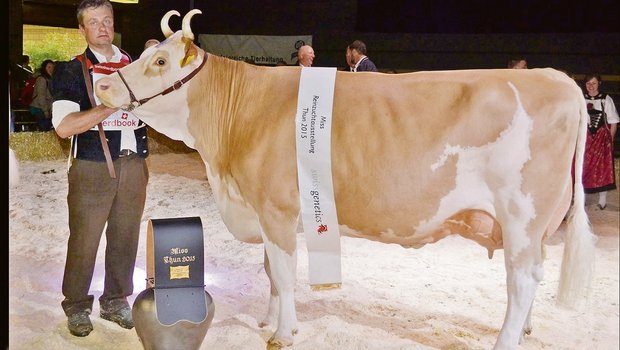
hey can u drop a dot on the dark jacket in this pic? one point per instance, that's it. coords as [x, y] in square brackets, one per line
[366, 65]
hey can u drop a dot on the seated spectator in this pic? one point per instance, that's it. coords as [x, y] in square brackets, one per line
[41, 105]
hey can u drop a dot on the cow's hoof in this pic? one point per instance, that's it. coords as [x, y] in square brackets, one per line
[278, 343]
[526, 331]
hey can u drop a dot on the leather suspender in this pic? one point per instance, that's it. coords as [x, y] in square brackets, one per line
[104, 141]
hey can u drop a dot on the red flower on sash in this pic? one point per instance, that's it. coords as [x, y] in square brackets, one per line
[322, 228]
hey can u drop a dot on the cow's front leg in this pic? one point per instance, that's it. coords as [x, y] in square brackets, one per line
[272, 310]
[281, 249]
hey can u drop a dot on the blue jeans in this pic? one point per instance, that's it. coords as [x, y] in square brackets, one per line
[45, 124]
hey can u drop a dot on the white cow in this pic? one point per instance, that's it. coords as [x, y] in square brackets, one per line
[415, 157]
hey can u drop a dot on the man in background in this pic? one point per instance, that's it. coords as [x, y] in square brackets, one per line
[26, 64]
[305, 56]
[517, 63]
[359, 58]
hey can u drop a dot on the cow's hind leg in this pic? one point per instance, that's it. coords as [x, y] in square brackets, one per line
[524, 271]
[527, 327]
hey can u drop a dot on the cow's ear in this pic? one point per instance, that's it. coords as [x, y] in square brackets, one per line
[190, 53]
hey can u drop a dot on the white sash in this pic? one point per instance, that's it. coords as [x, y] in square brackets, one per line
[316, 192]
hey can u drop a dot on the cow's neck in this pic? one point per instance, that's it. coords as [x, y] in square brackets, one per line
[229, 93]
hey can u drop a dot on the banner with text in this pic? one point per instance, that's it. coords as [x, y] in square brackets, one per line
[258, 49]
[314, 170]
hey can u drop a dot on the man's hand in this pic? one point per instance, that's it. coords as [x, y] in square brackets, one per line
[79, 122]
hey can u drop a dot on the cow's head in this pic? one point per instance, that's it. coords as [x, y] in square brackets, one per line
[155, 86]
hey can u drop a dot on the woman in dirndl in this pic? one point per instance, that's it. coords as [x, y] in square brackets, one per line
[598, 167]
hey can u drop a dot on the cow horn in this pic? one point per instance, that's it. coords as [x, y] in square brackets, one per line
[165, 28]
[187, 30]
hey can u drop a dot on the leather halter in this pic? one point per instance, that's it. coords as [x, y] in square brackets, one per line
[135, 103]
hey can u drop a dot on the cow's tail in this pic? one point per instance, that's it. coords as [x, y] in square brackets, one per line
[579, 242]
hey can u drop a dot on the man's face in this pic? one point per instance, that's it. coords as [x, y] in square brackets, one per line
[355, 56]
[98, 26]
[349, 58]
[306, 57]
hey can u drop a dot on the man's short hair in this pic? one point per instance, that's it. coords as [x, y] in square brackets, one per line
[86, 4]
[358, 46]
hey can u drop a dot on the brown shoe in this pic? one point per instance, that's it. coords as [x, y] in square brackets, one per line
[122, 317]
[79, 324]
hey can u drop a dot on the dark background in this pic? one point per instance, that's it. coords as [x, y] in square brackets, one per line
[402, 35]
[475, 16]
[578, 37]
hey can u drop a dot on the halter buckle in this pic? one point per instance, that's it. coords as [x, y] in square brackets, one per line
[131, 106]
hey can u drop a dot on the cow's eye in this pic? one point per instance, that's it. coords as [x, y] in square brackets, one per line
[161, 61]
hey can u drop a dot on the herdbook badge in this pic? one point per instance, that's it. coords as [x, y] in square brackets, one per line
[318, 207]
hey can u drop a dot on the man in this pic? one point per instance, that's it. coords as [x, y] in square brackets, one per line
[99, 196]
[358, 56]
[305, 56]
[21, 74]
[26, 64]
[517, 63]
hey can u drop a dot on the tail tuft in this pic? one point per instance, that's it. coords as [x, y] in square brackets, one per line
[580, 242]
[578, 260]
